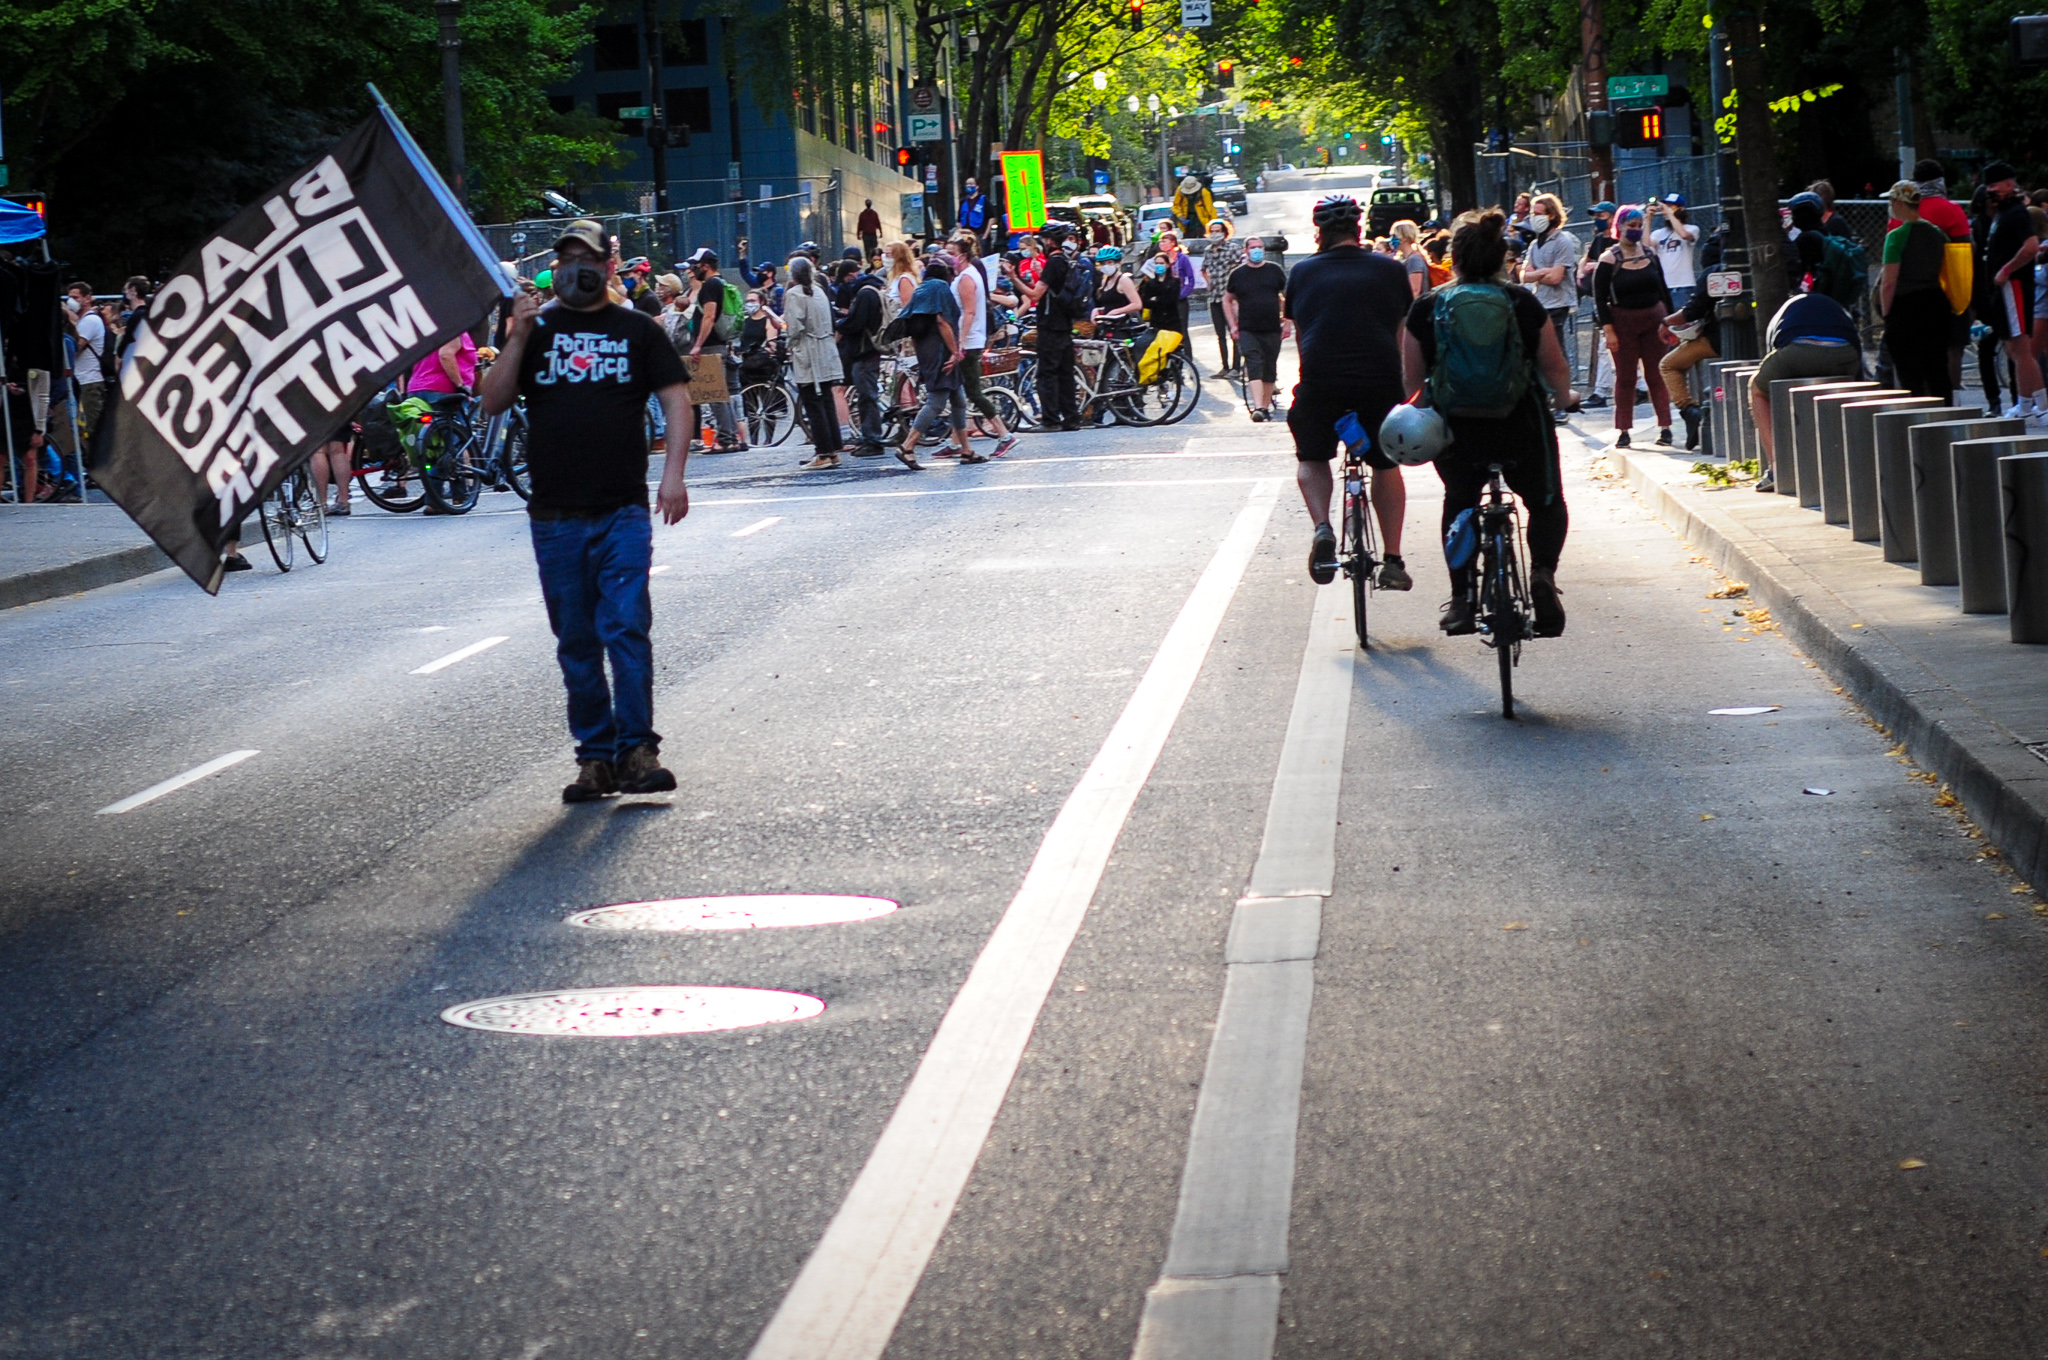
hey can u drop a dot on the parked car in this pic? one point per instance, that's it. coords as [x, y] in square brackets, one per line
[1152, 217]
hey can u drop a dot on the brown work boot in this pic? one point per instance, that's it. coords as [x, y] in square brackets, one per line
[640, 771]
[594, 780]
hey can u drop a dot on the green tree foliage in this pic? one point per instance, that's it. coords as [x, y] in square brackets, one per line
[151, 121]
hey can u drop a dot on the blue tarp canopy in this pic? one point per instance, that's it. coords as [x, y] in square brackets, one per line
[18, 223]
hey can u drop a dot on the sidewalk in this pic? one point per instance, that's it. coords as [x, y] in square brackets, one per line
[52, 550]
[1969, 705]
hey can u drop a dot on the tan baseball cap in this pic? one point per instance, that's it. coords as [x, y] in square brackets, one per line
[589, 232]
[1906, 192]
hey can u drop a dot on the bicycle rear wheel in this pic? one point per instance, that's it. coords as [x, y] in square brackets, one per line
[1503, 618]
[451, 482]
[276, 517]
[1359, 557]
[383, 481]
[309, 517]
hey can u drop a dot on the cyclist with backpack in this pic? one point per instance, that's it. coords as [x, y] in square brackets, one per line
[1473, 351]
[1346, 304]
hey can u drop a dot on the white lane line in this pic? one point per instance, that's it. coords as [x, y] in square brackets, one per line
[1218, 1296]
[460, 654]
[979, 490]
[853, 1289]
[656, 571]
[1015, 461]
[757, 526]
[176, 782]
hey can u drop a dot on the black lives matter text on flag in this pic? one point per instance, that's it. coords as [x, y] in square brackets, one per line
[278, 328]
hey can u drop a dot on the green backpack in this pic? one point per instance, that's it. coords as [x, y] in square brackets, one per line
[1481, 369]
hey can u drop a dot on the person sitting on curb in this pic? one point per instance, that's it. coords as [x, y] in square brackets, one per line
[1812, 336]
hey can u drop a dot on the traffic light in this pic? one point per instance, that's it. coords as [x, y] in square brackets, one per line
[1324, 152]
[904, 156]
[1639, 128]
[1226, 74]
[1137, 12]
[1600, 128]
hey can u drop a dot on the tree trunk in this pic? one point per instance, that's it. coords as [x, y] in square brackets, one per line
[1455, 124]
[1757, 160]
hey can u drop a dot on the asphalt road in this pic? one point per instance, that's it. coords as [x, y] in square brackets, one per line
[1619, 1037]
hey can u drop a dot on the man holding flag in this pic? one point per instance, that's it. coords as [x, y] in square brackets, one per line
[586, 367]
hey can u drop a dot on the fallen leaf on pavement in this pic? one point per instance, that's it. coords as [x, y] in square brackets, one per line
[1911, 1164]
[1996, 916]
[1516, 925]
[1706, 816]
[1734, 590]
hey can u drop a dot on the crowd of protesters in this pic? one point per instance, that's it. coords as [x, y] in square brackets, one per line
[59, 384]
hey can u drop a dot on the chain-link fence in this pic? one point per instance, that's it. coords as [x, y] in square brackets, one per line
[750, 230]
[1692, 176]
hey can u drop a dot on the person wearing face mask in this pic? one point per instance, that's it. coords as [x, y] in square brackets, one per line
[1631, 300]
[586, 367]
[1159, 290]
[2009, 250]
[1253, 310]
[1116, 293]
[94, 365]
[712, 330]
[973, 208]
[1550, 267]
[1179, 270]
[1224, 253]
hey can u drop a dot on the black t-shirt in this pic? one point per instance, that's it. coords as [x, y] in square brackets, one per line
[1346, 305]
[1257, 288]
[1051, 315]
[2009, 231]
[710, 293]
[586, 377]
[1529, 317]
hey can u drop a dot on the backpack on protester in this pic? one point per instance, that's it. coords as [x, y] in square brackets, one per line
[1077, 294]
[1958, 275]
[732, 312]
[1844, 270]
[1481, 369]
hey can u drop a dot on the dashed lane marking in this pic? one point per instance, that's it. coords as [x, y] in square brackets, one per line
[756, 527]
[460, 654]
[848, 1298]
[176, 782]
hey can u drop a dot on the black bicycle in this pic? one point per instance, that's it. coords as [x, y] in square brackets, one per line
[1498, 591]
[1358, 553]
[294, 510]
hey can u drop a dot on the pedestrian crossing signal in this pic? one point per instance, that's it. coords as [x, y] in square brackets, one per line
[903, 155]
[1639, 128]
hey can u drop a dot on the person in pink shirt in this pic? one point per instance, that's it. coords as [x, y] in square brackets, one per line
[451, 368]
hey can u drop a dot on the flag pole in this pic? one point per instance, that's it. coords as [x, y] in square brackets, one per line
[507, 287]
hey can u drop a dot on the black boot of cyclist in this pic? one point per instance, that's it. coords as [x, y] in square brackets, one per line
[1394, 574]
[1546, 597]
[1322, 556]
[1459, 617]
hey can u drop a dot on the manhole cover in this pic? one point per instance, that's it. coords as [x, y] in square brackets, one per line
[769, 911]
[626, 1012]
[1748, 712]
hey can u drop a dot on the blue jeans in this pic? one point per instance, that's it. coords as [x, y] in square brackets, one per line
[593, 575]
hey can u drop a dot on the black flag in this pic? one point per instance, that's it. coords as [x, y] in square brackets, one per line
[279, 326]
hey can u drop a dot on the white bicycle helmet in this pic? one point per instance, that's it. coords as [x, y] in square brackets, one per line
[1413, 435]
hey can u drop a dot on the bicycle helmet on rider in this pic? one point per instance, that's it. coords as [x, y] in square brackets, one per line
[1336, 210]
[1109, 255]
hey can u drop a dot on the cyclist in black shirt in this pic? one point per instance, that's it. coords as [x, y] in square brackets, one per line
[1347, 305]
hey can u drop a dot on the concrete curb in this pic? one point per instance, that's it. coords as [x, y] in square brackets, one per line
[86, 574]
[2003, 786]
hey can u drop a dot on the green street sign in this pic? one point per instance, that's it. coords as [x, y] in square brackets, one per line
[644, 111]
[1638, 87]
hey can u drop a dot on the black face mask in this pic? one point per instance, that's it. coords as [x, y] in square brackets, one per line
[579, 285]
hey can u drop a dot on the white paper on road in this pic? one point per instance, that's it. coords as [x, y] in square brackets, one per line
[852, 1291]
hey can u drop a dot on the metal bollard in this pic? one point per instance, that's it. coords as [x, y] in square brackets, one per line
[1934, 490]
[1784, 459]
[1806, 434]
[1980, 530]
[1895, 475]
[1831, 445]
[1741, 420]
[1716, 444]
[2023, 496]
[1859, 460]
